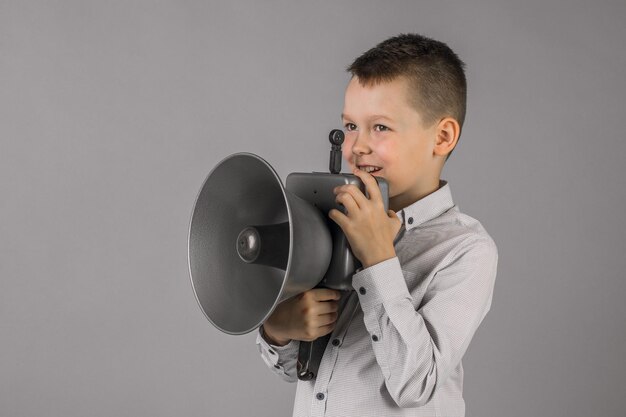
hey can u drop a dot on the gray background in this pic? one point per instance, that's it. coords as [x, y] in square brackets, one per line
[112, 113]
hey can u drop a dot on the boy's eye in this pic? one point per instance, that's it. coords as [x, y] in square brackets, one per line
[350, 127]
[380, 128]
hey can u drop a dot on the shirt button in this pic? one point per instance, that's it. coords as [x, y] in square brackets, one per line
[319, 396]
[271, 352]
[375, 338]
[362, 290]
[336, 342]
[410, 221]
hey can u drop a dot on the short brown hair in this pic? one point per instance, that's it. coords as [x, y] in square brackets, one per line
[435, 72]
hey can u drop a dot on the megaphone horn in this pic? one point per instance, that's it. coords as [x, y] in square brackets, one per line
[252, 244]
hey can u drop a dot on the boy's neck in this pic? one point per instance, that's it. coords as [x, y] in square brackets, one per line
[406, 199]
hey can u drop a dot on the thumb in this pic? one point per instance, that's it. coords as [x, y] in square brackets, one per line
[394, 218]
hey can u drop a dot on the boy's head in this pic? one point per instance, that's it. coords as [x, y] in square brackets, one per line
[403, 112]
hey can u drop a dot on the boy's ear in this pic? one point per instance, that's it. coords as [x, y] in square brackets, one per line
[448, 131]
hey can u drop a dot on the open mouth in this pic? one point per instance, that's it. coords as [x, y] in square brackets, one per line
[370, 169]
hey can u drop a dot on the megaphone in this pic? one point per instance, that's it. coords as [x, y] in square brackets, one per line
[254, 243]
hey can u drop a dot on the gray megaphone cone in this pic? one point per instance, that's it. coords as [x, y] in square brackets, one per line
[252, 244]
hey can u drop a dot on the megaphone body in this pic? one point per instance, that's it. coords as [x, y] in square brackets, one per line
[254, 243]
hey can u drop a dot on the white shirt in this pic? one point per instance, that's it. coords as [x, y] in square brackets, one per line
[397, 347]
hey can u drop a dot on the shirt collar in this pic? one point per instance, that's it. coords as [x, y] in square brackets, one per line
[427, 208]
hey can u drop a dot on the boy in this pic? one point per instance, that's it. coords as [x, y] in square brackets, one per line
[428, 270]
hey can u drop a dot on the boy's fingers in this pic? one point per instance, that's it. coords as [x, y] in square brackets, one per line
[324, 330]
[338, 217]
[326, 319]
[325, 294]
[371, 186]
[348, 202]
[327, 307]
[354, 191]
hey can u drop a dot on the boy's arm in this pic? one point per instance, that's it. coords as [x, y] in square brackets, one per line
[417, 350]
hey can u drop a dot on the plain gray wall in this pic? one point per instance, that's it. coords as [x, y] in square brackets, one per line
[112, 114]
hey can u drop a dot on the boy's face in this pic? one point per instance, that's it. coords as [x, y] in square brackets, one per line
[385, 136]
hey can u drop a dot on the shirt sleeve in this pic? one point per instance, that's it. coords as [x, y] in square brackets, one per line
[280, 359]
[417, 349]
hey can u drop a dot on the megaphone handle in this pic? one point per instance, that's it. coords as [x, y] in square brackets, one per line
[310, 356]
[310, 353]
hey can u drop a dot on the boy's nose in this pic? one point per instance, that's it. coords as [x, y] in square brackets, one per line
[361, 144]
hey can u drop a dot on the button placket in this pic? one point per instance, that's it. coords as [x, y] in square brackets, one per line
[329, 360]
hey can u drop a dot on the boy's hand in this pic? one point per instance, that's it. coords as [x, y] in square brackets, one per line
[305, 317]
[369, 229]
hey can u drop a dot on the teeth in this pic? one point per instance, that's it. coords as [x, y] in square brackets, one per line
[369, 169]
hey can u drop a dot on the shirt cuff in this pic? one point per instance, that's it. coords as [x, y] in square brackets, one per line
[380, 283]
[273, 352]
